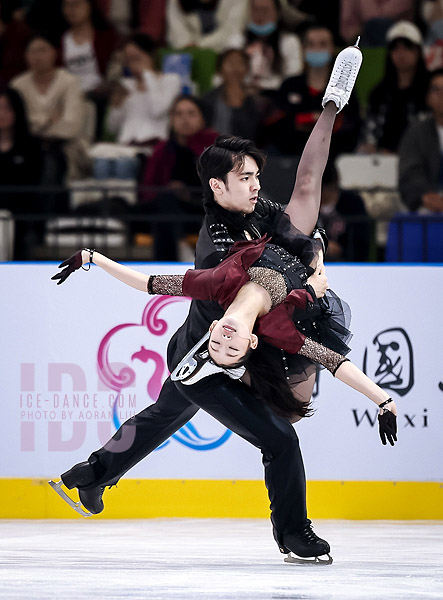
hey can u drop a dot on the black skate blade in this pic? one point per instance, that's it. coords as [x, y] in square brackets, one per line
[315, 560]
[57, 487]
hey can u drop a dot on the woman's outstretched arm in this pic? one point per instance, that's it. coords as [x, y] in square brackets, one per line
[355, 378]
[131, 277]
[164, 284]
[351, 375]
[345, 371]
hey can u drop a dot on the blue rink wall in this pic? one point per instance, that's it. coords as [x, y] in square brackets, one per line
[81, 358]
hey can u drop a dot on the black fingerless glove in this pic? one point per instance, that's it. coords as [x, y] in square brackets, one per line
[71, 264]
[387, 426]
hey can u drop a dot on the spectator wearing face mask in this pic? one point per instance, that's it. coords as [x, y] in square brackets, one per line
[300, 100]
[274, 54]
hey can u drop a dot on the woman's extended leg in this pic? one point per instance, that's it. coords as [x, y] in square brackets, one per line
[304, 204]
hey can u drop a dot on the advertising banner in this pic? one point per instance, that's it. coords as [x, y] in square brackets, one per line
[81, 358]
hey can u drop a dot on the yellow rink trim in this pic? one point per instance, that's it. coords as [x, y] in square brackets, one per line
[148, 498]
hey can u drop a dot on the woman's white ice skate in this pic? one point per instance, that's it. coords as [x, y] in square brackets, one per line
[343, 76]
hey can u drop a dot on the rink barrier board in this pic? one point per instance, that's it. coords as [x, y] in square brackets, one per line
[158, 498]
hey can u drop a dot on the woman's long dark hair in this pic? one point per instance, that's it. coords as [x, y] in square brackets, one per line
[21, 133]
[269, 383]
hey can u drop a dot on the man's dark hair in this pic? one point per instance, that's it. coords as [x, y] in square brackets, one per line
[226, 154]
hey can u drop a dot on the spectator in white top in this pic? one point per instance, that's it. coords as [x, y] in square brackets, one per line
[204, 23]
[139, 106]
[275, 54]
[56, 112]
[141, 103]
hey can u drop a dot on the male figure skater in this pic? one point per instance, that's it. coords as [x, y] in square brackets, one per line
[229, 171]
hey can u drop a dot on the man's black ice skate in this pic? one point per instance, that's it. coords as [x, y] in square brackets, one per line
[306, 545]
[81, 476]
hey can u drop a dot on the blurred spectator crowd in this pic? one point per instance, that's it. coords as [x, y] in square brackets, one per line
[105, 106]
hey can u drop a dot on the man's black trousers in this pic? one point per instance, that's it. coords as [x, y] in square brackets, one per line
[232, 404]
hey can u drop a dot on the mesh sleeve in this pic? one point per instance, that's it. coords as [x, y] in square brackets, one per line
[165, 285]
[320, 354]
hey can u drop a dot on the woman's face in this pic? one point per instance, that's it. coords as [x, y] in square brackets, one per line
[405, 56]
[7, 116]
[263, 11]
[234, 66]
[76, 12]
[186, 119]
[229, 341]
[137, 60]
[40, 56]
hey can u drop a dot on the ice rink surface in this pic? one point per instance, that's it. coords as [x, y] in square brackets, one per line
[215, 559]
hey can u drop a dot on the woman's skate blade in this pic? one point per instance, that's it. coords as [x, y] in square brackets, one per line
[57, 487]
[315, 560]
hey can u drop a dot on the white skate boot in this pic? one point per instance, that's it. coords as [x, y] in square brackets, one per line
[343, 76]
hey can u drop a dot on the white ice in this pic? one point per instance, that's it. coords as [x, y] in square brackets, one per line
[215, 559]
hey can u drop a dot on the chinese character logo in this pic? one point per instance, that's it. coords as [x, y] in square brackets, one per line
[390, 361]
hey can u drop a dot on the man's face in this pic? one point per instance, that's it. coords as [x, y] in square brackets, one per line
[240, 192]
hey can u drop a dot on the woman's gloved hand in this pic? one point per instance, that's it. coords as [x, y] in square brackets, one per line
[387, 426]
[71, 264]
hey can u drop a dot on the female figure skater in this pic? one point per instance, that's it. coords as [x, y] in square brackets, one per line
[265, 294]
